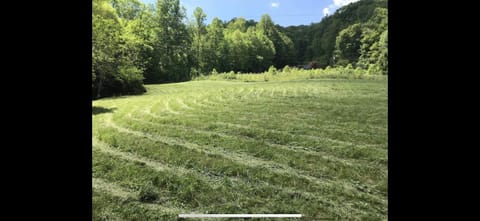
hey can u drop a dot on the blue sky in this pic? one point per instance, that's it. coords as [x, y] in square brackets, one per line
[283, 12]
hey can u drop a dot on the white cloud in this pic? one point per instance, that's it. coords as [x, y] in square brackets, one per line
[275, 4]
[335, 5]
[326, 11]
[340, 3]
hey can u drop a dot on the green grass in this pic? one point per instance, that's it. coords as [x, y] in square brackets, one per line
[316, 147]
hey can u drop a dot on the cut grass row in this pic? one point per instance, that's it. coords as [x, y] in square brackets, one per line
[311, 147]
[188, 190]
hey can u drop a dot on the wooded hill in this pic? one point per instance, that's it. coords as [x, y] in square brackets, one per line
[356, 33]
[134, 43]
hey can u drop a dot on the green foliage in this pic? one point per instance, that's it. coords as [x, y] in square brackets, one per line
[104, 9]
[128, 9]
[287, 69]
[214, 72]
[239, 24]
[359, 71]
[347, 44]
[364, 44]
[134, 44]
[117, 67]
[317, 41]
[199, 46]
[284, 48]
[171, 41]
[374, 41]
[230, 75]
[216, 47]
[383, 52]
[249, 51]
[348, 69]
[272, 70]
[288, 74]
[374, 69]
[132, 79]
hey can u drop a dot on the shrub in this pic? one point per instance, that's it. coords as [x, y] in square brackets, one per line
[272, 70]
[292, 73]
[348, 70]
[287, 69]
[328, 70]
[230, 75]
[266, 77]
[214, 71]
[359, 71]
[374, 69]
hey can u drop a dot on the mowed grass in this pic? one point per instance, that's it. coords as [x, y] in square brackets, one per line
[315, 147]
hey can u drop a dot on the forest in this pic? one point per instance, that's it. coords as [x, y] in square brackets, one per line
[135, 44]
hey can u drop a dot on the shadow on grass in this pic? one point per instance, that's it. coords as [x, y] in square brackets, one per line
[101, 110]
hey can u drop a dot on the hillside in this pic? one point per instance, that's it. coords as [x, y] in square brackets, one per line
[317, 41]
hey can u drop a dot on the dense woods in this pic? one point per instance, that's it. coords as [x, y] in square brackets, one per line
[134, 43]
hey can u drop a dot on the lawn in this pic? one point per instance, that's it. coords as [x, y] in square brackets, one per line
[316, 147]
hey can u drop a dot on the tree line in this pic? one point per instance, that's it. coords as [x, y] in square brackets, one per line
[134, 43]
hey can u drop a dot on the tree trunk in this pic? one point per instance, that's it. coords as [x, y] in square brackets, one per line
[99, 85]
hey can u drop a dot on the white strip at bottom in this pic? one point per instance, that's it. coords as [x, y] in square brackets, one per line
[240, 215]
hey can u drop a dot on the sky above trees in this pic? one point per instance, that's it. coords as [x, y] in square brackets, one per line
[283, 12]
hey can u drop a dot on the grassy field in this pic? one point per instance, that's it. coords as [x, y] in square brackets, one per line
[316, 147]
